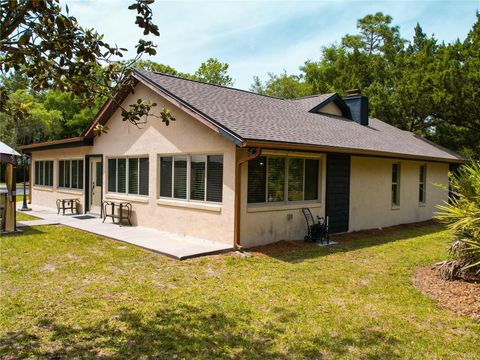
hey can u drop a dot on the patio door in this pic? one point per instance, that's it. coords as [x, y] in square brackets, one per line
[96, 177]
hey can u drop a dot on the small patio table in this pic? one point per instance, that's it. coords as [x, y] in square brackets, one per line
[123, 211]
[68, 204]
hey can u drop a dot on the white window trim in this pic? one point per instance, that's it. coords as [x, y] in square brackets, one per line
[173, 201]
[289, 204]
[126, 194]
[70, 188]
[43, 187]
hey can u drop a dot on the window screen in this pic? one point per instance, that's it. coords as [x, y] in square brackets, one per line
[257, 177]
[197, 177]
[166, 176]
[180, 177]
[276, 179]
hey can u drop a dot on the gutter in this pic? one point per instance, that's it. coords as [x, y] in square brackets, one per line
[238, 189]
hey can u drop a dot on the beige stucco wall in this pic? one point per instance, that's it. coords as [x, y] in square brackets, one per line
[47, 196]
[331, 108]
[183, 136]
[266, 223]
[370, 192]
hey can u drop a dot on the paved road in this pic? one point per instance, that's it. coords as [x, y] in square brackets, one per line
[19, 190]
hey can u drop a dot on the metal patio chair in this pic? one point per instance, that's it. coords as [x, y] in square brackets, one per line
[317, 231]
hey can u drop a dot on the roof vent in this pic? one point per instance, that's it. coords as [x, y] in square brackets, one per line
[358, 105]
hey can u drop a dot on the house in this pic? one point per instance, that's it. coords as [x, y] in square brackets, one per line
[238, 167]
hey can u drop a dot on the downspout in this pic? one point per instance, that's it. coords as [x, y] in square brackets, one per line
[238, 189]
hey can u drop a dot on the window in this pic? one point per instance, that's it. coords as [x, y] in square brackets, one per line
[274, 179]
[44, 173]
[195, 177]
[395, 184]
[128, 175]
[70, 174]
[422, 191]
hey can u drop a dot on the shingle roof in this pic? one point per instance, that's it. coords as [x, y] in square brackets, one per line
[263, 118]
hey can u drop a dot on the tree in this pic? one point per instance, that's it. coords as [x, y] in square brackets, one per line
[422, 86]
[31, 121]
[283, 85]
[46, 44]
[214, 72]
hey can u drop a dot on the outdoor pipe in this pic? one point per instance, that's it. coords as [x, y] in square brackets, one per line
[238, 170]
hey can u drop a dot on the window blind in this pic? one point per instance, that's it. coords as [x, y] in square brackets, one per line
[311, 179]
[295, 179]
[37, 173]
[112, 175]
[74, 174]
[122, 175]
[133, 176]
[41, 180]
[67, 173]
[180, 177]
[276, 179]
[257, 176]
[197, 177]
[166, 176]
[214, 177]
[143, 175]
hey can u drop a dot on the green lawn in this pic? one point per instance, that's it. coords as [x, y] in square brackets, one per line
[25, 216]
[66, 293]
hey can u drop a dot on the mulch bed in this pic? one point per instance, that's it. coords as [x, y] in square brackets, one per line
[461, 297]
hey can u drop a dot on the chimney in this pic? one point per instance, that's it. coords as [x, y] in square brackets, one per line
[358, 106]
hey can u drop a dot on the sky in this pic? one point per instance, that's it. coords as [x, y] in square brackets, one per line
[257, 37]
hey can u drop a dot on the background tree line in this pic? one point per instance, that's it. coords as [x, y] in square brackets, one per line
[422, 85]
[54, 114]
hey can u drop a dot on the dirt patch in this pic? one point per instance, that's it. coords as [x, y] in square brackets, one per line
[461, 297]
[280, 248]
[286, 246]
[363, 234]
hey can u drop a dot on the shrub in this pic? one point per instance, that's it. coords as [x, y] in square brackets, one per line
[462, 214]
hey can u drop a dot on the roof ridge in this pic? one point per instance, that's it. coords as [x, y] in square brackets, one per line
[312, 96]
[205, 83]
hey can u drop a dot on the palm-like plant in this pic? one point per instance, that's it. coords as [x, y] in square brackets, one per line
[462, 214]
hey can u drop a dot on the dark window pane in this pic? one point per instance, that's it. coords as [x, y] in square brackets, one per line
[276, 179]
[122, 176]
[421, 193]
[67, 173]
[61, 173]
[37, 173]
[214, 178]
[257, 177]
[394, 173]
[51, 173]
[311, 179]
[180, 178]
[98, 174]
[166, 176]
[143, 186]
[394, 194]
[47, 172]
[295, 179]
[80, 174]
[41, 180]
[74, 174]
[197, 178]
[133, 176]
[112, 175]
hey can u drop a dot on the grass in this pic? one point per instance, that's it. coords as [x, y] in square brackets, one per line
[66, 293]
[24, 216]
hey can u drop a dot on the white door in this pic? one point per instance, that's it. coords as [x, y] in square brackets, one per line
[95, 185]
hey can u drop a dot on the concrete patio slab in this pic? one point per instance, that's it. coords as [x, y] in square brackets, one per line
[36, 222]
[173, 245]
